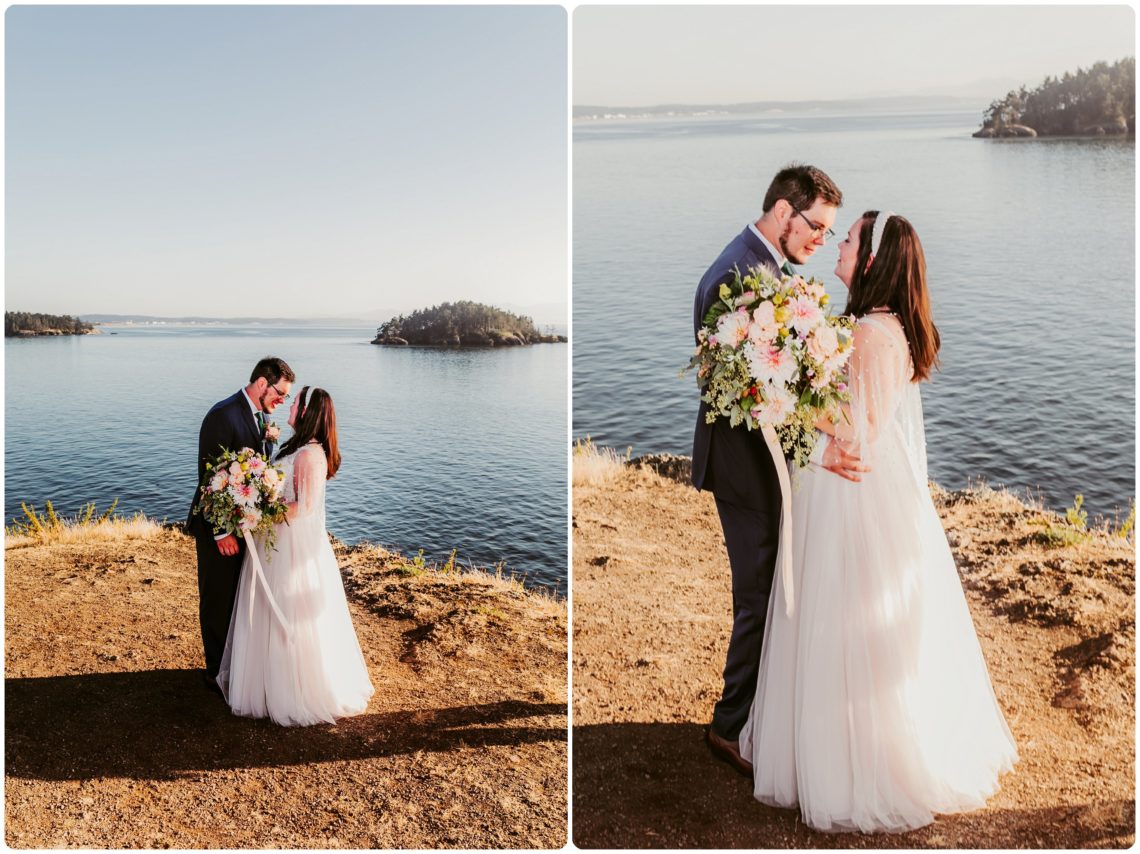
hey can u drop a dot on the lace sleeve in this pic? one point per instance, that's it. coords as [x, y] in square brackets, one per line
[878, 372]
[309, 474]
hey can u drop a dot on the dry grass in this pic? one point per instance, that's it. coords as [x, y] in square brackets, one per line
[116, 530]
[48, 528]
[595, 466]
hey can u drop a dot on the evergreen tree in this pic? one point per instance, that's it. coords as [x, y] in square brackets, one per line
[1103, 96]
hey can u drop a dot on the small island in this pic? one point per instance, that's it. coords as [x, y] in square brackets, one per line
[1098, 101]
[25, 324]
[462, 324]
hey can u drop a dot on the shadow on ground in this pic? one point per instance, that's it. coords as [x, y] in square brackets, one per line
[655, 785]
[164, 724]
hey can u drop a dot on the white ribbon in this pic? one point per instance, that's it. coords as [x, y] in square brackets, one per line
[784, 550]
[259, 576]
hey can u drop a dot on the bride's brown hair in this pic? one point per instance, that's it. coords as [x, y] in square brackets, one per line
[316, 419]
[896, 279]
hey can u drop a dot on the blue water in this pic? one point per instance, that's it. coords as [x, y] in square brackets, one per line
[441, 449]
[1030, 248]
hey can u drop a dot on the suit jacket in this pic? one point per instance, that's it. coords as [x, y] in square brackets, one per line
[229, 425]
[734, 463]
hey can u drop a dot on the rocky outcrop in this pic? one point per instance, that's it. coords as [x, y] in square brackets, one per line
[1006, 132]
[669, 466]
[1116, 127]
[494, 338]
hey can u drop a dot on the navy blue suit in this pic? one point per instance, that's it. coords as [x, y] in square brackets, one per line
[229, 425]
[736, 466]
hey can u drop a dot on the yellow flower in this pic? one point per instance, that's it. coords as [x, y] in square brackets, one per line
[782, 314]
[782, 332]
[725, 291]
[824, 300]
[245, 466]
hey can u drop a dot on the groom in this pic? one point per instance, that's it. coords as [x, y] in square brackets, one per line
[735, 464]
[239, 421]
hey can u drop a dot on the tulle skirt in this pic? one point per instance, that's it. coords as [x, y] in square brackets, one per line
[874, 708]
[307, 668]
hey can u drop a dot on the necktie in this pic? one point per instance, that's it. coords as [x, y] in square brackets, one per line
[787, 269]
[260, 423]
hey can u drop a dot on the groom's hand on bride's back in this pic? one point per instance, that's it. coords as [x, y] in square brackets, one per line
[228, 545]
[843, 459]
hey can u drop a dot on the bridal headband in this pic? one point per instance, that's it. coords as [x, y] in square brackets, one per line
[877, 230]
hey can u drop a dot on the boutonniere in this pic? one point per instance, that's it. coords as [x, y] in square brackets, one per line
[272, 432]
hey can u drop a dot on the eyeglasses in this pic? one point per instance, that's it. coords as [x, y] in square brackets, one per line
[817, 231]
[284, 395]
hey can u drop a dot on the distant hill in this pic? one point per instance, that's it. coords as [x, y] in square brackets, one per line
[462, 324]
[899, 103]
[226, 321]
[26, 324]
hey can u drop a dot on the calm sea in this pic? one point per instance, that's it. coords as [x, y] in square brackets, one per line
[1030, 247]
[442, 449]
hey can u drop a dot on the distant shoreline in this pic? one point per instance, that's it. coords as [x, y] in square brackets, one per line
[775, 109]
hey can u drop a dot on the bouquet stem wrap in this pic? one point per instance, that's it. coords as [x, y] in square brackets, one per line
[784, 551]
[259, 578]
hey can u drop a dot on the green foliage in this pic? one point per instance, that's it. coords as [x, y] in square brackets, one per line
[17, 322]
[460, 322]
[1124, 529]
[491, 613]
[448, 567]
[1077, 517]
[415, 566]
[1072, 104]
[1071, 532]
[42, 526]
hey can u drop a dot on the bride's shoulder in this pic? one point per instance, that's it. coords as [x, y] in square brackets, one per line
[311, 452]
[887, 321]
[881, 323]
[881, 335]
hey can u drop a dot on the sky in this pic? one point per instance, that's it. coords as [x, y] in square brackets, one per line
[285, 161]
[646, 55]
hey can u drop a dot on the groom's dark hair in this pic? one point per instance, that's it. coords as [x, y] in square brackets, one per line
[273, 369]
[800, 186]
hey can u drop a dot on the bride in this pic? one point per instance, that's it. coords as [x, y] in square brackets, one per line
[292, 654]
[873, 707]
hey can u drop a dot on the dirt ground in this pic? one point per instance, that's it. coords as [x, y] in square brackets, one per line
[652, 617]
[113, 742]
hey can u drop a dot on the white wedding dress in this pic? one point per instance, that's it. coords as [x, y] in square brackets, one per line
[298, 663]
[874, 709]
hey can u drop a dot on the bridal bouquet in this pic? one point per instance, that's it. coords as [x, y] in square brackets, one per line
[241, 492]
[769, 354]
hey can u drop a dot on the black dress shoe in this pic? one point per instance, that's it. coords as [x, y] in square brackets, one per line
[211, 684]
[728, 751]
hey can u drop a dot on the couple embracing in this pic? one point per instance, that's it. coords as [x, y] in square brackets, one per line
[868, 706]
[276, 632]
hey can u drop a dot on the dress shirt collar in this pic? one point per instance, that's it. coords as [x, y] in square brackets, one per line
[252, 405]
[776, 254]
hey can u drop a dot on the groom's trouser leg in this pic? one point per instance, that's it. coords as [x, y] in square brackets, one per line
[751, 538]
[217, 589]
